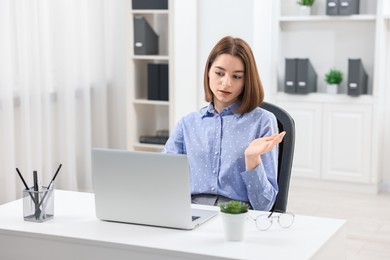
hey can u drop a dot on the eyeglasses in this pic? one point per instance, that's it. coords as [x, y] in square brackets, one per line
[264, 221]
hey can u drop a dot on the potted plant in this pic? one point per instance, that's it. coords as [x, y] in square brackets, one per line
[233, 217]
[333, 78]
[305, 6]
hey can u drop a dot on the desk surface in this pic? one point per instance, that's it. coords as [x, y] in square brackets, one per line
[75, 230]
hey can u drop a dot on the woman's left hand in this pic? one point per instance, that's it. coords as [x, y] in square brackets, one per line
[261, 146]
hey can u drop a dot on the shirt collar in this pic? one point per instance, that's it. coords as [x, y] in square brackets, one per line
[210, 110]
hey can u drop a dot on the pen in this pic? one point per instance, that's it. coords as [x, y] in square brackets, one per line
[54, 177]
[35, 175]
[48, 186]
[36, 200]
[21, 177]
[24, 182]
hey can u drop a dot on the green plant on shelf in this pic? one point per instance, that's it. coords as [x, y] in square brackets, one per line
[306, 2]
[234, 207]
[334, 76]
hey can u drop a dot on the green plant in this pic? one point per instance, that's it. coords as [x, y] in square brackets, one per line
[234, 207]
[334, 76]
[306, 2]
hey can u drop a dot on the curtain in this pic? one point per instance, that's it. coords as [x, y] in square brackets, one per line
[62, 89]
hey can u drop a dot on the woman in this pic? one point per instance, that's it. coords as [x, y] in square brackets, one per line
[231, 144]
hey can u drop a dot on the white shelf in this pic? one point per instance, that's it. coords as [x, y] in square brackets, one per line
[327, 18]
[145, 117]
[151, 57]
[326, 98]
[150, 11]
[148, 147]
[151, 102]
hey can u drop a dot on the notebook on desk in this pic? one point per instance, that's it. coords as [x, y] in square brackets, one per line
[144, 188]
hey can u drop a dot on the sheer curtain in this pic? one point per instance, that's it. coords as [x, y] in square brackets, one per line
[62, 89]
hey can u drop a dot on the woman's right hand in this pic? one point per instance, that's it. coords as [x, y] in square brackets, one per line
[260, 146]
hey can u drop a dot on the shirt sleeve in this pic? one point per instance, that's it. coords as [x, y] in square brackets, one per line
[175, 142]
[261, 191]
[261, 182]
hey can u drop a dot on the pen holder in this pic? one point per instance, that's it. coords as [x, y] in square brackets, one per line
[38, 206]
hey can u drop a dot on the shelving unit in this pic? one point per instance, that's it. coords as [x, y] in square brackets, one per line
[337, 135]
[146, 117]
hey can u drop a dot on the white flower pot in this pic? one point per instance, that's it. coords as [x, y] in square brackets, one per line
[304, 10]
[332, 88]
[234, 226]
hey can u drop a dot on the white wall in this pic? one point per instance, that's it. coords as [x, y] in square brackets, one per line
[218, 18]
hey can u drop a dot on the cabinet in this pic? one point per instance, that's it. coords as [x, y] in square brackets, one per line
[147, 117]
[338, 136]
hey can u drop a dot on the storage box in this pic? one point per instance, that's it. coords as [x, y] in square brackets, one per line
[342, 7]
[150, 4]
[357, 78]
[145, 39]
[300, 76]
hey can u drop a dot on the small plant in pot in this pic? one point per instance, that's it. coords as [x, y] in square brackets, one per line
[333, 78]
[306, 2]
[305, 6]
[233, 217]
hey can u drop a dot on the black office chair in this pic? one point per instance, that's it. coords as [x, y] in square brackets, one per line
[286, 154]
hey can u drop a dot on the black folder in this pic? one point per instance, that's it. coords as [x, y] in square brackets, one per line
[150, 4]
[158, 82]
[145, 39]
[342, 7]
[348, 7]
[290, 76]
[153, 81]
[357, 78]
[301, 77]
[164, 82]
[306, 77]
[332, 7]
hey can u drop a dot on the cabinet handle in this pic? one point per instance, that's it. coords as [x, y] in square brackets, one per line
[344, 4]
[302, 83]
[353, 85]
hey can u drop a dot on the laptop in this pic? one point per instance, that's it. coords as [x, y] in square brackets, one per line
[144, 188]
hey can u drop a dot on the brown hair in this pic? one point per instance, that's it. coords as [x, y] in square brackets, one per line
[253, 93]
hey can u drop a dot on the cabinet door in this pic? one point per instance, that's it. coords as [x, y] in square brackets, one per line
[347, 142]
[307, 154]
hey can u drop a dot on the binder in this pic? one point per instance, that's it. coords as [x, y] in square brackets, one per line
[332, 7]
[153, 81]
[348, 7]
[145, 39]
[164, 82]
[150, 4]
[357, 78]
[290, 75]
[300, 76]
[342, 7]
[158, 82]
[306, 77]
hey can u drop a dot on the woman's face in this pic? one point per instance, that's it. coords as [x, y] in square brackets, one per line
[226, 80]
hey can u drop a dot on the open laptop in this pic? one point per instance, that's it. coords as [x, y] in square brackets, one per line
[144, 188]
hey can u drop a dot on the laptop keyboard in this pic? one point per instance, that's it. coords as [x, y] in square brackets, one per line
[195, 218]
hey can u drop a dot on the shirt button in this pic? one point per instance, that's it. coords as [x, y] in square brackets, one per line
[212, 188]
[249, 186]
[216, 153]
[214, 172]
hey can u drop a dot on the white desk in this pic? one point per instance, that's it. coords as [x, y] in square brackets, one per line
[75, 233]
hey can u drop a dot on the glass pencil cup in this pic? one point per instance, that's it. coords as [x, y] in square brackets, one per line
[38, 206]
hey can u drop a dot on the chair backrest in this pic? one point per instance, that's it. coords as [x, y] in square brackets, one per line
[286, 154]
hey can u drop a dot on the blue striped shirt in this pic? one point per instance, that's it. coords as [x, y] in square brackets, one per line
[215, 145]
